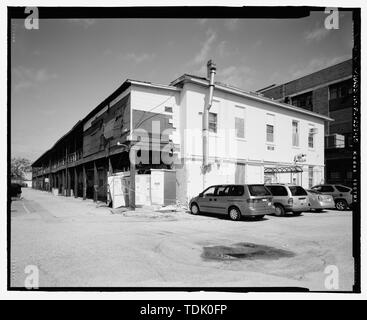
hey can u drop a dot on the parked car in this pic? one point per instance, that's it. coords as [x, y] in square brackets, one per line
[15, 190]
[342, 195]
[235, 200]
[319, 201]
[288, 198]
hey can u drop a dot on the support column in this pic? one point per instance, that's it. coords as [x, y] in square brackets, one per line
[75, 182]
[110, 168]
[50, 182]
[110, 172]
[95, 182]
[68, 182]
[84, 183]
[132, 184]
[63, 182]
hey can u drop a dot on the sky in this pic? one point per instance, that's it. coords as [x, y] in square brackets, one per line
[63, 70]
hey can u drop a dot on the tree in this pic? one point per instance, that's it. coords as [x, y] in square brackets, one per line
[19, 166]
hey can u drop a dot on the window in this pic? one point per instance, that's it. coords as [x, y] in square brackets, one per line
[342, 189]
[295, 133]
[278, 190]
[270, 127]
[258, 190]
[269, 133]
[209, 191]
[240, 122]
[168, 109]
[324, 188]
[236, 191]
[341, 95]
[311, 133]
[310, 176]
[212, 122]
[341, 90]
[298, 191]
[221, 191]
[240, 127]
[303, 101]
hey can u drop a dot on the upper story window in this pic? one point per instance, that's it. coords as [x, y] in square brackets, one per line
[341, 89]
[168, 109]
[311, 134]
[295, 133]
[212, 122]
[270, 127]
[240, 122]
[303, 101]
[341, 95]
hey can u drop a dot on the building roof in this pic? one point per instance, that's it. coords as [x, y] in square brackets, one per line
[272, 86]
[247, 94]
[175, 86]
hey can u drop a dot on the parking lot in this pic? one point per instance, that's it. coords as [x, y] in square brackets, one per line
[73, 243]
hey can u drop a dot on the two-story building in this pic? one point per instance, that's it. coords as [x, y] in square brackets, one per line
[252, 139]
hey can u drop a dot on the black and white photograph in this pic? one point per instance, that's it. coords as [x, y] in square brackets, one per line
[183, 149]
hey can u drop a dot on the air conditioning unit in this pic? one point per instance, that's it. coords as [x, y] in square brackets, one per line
[334, 141]
[313, 130]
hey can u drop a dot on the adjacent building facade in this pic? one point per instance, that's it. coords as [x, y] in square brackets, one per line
[328, 92]
[252, 139]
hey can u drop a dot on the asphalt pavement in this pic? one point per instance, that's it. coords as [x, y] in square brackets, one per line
[76, 243]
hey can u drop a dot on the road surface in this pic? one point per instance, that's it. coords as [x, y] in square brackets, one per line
[74, 243]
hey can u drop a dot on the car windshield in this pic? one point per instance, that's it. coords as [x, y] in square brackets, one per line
[297, 191]
[258, 190]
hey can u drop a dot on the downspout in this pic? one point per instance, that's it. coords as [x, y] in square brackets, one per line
[211, 67]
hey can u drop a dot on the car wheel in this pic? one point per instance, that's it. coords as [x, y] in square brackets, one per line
[279, 210]
[234, 214]
[341, 205]
[194, 209]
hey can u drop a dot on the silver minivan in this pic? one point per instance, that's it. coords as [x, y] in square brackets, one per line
[289, 198]
[234, 200]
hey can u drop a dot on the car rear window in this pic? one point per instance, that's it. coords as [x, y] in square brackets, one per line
[342, 189]
[314, 191]
[278, 190]
[258, 190]
[297, 191]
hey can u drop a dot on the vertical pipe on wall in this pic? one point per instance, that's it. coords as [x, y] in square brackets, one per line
[211, 68]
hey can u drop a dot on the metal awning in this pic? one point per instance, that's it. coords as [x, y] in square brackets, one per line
[290, 169]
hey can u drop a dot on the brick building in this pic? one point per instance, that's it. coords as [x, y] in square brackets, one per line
[328, 92]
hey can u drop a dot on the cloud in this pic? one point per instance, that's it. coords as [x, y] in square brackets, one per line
[138, 58]
[317, 34]
[316, 65]
[237, 76]
[205, 49]
[24, 78]
[202, 21]
[85, 23]
[231, 24]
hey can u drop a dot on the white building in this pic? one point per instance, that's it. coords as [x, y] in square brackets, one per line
[253, 139]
